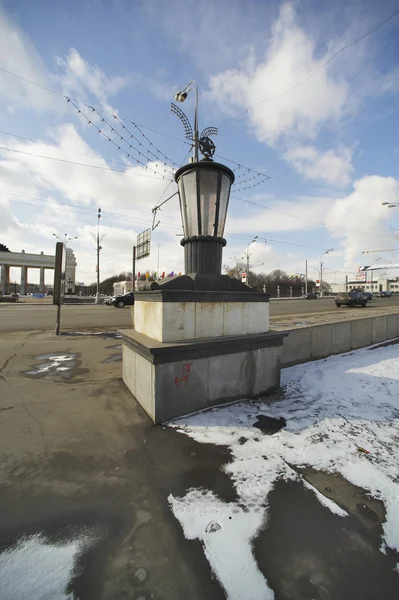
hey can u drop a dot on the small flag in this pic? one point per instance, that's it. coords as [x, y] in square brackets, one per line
[179, 273]
[138, 275]
[147, 274]
[155, 275]
[163, 275]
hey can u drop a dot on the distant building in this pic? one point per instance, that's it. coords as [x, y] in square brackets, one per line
[379, 285]
[122, 287]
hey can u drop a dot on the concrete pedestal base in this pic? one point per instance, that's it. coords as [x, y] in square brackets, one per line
[173, 379]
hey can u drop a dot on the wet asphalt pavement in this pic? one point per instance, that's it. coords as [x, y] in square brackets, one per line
[81, 461]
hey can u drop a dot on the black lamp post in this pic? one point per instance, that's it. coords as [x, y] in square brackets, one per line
[204, 192]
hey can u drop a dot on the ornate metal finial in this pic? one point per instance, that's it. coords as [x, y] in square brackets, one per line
[184, 119]
[202, 142]
[207, 147]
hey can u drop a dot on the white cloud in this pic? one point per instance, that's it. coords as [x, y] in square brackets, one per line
[296, 120]
[302, 214]
[362, 214]
[290, 57]
[40, 190]
[333, 166]
[18, 55]
[80, 78]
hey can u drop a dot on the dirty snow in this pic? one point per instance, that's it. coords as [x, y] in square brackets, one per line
[36, 569]
[332, 407]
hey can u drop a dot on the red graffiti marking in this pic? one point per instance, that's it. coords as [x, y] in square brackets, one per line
[183, 379]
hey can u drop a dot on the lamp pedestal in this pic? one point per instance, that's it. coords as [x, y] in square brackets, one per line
[202, 338]
[203, 254]
[193, 349]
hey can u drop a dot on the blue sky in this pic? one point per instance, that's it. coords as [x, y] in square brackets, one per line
[330, 146]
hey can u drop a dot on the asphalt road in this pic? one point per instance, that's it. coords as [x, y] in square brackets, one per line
[29, 317]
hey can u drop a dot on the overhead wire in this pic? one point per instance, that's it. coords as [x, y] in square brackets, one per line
[131, 146]
[110, 160]
[322, 66]
[87, 214]
[267, 240]
[61, 203]
[132, 136]
[126, 172]
[322, 225]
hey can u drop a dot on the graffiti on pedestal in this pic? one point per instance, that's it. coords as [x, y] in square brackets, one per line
[182, 380]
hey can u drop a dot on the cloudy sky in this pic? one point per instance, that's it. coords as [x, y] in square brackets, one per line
[326, 135]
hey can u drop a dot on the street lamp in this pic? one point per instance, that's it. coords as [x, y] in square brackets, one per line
[180, 97]
[98, 295]
[204, 192]
[321, 270]
[247, 256]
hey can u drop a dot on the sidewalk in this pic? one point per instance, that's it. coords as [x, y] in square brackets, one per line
[81, 465]
[98, 504]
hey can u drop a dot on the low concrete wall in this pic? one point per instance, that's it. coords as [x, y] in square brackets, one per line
[320, 341]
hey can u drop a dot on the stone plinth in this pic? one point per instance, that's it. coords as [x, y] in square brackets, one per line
[173, 379]
[172, 316]
[192, 349]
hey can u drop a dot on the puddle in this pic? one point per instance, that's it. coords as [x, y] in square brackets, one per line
[112, 358]
[62, 364]
[270, 425]
[117, 357]
[106, 335]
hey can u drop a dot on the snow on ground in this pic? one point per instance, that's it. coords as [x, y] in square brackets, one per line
[332, 408]
[36, 569]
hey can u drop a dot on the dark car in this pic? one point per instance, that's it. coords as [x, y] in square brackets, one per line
[310, 296]
[125, 300]
[368, 296]
[350, 299]
[384, 294]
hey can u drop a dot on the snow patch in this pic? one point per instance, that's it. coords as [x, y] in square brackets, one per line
[37, 569]
[227, 548]
[332, 408]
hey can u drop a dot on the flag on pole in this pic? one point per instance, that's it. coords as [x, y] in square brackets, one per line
[147, 274]
[163, 275]
[138, 275]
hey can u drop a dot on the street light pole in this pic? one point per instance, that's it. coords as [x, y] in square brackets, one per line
[98, 296]
[180, 97]
[306, 276]
[321, 270]
[248, 257]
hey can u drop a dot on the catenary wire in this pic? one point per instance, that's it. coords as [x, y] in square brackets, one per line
[81, 164]
[322, 66]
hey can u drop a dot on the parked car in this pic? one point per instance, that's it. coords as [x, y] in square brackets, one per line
[350, 299]
[14, 295]
[384, 294]
[310, 296]
[125, 300]
[108, 300]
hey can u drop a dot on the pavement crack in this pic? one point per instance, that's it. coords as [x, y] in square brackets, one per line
[39, 425]
[14, 355]
[23, 404]
[8, 360]
[160, 479]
